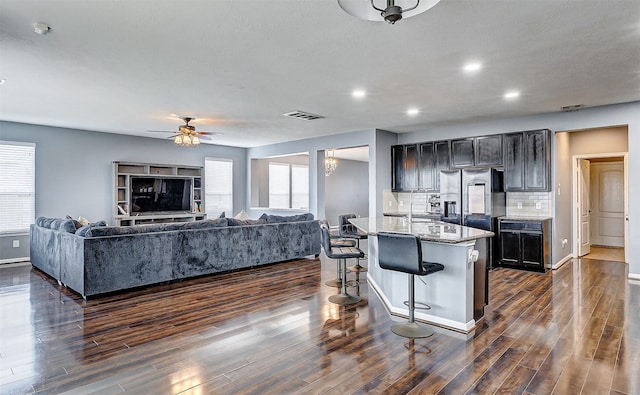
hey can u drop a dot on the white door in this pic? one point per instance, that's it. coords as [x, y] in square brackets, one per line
[607, 203]
[584, 210]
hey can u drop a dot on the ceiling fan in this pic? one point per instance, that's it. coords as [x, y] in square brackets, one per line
[187, 136]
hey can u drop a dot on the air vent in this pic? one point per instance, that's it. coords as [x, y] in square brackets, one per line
[302, 115]
[574, 107]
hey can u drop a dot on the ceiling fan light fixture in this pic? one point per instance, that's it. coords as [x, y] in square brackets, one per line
[394, 11]
[195, 140]
[178, 140]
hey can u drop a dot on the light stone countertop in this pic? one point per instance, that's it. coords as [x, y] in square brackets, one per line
[425, 229]
[525, 218]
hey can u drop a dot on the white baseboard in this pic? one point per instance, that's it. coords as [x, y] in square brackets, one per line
[634, 276]
[562, 261]
[14, 260]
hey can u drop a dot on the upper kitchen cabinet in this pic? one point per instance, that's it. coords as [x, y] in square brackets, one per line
[397, 167]
[462, 153]
[488, 150]
[427, 166]
[411, 175]
[434, 156]
[527, 161]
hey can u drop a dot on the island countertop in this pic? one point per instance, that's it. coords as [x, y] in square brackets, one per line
[425, 229]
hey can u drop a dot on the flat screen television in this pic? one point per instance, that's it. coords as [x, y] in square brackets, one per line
[155, 194]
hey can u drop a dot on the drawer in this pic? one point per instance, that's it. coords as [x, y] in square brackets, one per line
[520, 225]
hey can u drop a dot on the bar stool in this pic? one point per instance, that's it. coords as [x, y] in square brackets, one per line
[336, 241]
[349, 231]
[403, 253]
[341, 254]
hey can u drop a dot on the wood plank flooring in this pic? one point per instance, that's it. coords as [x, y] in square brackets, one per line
[271, 330]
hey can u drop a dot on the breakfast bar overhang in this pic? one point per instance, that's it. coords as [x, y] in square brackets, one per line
[457, 295]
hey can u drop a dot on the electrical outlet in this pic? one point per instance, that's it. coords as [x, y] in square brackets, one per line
[564, 243]
[390, 203]
[538, 205]
[401, 203]
[16, 243]
[519, 204]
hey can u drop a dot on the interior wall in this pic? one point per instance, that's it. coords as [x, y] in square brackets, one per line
[597, 117]
[74, 168]
[379, 142]
[260, 176]
[347, 190]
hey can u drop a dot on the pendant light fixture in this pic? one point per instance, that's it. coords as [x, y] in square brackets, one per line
[395, 10]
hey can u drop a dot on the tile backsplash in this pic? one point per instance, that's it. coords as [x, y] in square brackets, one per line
[536, 204]
[401, 202]
[518, 203]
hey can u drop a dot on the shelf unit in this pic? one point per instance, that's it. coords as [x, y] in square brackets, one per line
[123, 211]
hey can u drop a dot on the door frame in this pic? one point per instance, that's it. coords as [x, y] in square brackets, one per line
[575, 202]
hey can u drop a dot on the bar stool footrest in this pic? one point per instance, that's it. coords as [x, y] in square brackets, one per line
[418, 305]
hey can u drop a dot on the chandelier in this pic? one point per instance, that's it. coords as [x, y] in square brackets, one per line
[392, 13]
[330, 162]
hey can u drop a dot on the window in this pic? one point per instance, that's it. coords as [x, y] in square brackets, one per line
[17, 186]
[300, 187]
[218, 187]
[288, 186]
[279, 185]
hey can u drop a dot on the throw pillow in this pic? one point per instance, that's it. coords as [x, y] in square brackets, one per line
[83, 221]
[221, 215]
[242, 215]
[77, 224]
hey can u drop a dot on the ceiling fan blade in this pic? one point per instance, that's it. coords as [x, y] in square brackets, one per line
[161, 131]
[204, 138]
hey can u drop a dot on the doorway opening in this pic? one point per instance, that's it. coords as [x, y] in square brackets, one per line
[600, 206]
[346, 188]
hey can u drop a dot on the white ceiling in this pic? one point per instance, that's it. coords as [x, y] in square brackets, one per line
[237, 65]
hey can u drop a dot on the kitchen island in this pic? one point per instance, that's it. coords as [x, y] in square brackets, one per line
[457, 295]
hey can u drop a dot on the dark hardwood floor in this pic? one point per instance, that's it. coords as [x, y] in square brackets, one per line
[272, 330]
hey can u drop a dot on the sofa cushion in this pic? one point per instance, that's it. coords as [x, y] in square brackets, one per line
[243, 222]
[274, 219]
[82, 231]
[206, 224]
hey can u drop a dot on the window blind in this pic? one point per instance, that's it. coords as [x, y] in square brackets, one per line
[300, 187]
[218, 187]
[17, 186]
[279, 185]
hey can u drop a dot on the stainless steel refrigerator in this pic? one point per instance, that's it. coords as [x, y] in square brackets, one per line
[474, 198]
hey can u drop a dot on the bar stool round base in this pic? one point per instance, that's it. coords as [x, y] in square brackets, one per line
[357, 269]
[411, 330]
[344, 299]
[337, 283]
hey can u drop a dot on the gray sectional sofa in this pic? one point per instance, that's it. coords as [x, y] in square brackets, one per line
[108, 259]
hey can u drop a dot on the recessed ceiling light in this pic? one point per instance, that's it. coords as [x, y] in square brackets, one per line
[510, 95]
[358, 93]
[2, 81]
[41, 28]
[413, 111]
[472, 67]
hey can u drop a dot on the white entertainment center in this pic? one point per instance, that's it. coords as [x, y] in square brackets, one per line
[156, 193]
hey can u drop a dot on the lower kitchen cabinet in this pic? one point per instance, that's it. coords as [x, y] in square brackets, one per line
[525, 244]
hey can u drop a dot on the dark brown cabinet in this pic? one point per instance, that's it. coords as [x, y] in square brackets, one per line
[462, 153]
[526, 161]
[434, 156]
[524, 244]
[397, 167]
[488, 150]
[427, 166]
[410, 166]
